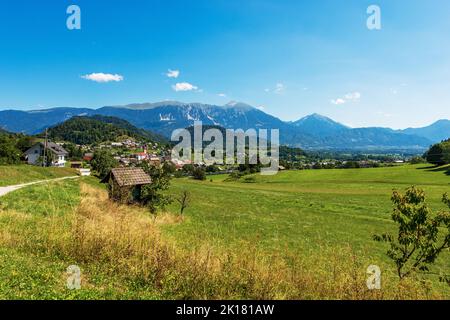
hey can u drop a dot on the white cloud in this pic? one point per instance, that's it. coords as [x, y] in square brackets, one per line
[260, 108]
[173, 73]
[353, 96]
[384, 114]
[103, 77]
[184, 86]
[279, 88]
[338, 101]
[223, 95]
[349, 97]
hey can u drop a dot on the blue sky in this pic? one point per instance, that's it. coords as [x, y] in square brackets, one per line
[290, 58]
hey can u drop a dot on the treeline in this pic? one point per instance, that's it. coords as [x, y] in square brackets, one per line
[439, 154]
[12, 147]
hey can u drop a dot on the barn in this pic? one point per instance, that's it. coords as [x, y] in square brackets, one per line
[124, 184]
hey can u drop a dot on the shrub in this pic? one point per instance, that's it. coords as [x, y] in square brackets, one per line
[198, 173]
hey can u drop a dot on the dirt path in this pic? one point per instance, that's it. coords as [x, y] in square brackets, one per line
[8, 189]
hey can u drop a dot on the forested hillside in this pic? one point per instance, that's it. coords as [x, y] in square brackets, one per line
[97, 129]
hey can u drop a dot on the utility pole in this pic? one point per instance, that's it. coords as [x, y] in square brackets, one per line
[44, 158]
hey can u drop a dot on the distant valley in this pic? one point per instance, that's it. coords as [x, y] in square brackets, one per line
[314, 132]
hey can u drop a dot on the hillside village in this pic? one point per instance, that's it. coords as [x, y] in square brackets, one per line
[131, 149]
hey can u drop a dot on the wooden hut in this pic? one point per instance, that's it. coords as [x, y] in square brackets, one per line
[124, 184]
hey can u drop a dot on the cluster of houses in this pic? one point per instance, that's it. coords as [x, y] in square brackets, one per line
[151, 158]
[128, 144]
[57, 156]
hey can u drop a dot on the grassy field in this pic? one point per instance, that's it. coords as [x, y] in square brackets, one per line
[296, 235]
[300, 209]
[11, 175]
[303, 213]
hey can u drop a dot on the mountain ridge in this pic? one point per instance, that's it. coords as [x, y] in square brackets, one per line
[314, 131]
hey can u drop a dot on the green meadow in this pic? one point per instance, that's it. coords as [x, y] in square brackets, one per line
[17, 174]
[304, 212]
[295, 235]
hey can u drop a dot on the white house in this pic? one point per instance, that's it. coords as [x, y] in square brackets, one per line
[36, 152]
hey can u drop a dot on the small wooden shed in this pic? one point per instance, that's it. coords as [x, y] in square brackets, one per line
[124, 184]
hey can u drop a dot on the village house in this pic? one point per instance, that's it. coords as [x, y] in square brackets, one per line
[88, 156]
[141, 156]
[154, 161]
[35, 153]
[124, 184]
[179, 164]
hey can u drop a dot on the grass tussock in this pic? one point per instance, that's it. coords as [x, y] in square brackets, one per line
[124, 243]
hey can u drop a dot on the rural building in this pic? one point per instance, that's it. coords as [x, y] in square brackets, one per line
[76, 164]
[155, 161]
[124, 184]
[35, 153]
[141, 156]
[84, 172]
[88, 156]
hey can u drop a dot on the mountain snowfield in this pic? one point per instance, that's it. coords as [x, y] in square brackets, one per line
[311, 132]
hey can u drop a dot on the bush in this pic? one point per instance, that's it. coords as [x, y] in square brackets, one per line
[198, 174]
[251, 179]
[417, 160]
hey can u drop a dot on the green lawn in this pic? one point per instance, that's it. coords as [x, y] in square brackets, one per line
[16, 174]
[300, 212]
[44, 199]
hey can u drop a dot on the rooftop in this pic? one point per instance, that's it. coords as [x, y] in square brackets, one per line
[129, 176]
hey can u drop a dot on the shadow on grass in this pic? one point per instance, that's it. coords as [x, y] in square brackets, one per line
[434, 168]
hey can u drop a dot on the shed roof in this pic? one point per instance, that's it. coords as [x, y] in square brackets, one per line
[129, 176]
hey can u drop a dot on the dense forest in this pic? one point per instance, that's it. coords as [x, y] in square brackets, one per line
[97, 129]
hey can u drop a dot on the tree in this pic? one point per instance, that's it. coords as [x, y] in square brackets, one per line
[439, 154]
[75, 153]
[169, 167]
[184, 200]
[103, 162]
[24, 142]
[9, 154]
[152, 195]
[421, 237]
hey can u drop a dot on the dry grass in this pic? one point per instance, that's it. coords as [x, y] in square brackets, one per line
[125, 243]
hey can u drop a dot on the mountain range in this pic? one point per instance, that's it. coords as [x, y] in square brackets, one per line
[315, 131]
